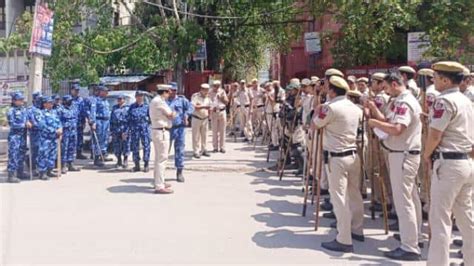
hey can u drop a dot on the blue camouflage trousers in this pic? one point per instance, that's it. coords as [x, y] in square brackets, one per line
[47, 153]
[69, 145]
[140, 133]
[177, 135]
[16, 149]
[102, 132]
[35, 144]
[121, 146]
[80, 137]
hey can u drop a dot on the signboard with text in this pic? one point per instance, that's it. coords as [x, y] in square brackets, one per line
[201, 53]
[417, 44]
[42, 32]
[312, 42]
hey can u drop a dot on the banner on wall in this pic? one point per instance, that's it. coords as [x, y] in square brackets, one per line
[42, 33]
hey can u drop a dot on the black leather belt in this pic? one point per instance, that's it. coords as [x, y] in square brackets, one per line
[247, 105]
[413, 152]
[449, 156]
[197, 117]
[260, 106]
[102, 118]
[161, 128]
[222, 109]
[339, 154]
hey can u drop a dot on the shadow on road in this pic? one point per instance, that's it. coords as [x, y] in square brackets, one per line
[130, 189]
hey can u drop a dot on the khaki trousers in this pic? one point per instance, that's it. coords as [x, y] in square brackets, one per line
[451, 193]
[384, 174]
[403, 171]
[343, 176]
[161, 142]
[274, 126]
[245, 122]
[218, 124]
[257, 116]
[199, 131]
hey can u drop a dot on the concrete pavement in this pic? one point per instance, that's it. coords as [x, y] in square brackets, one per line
[229, 211]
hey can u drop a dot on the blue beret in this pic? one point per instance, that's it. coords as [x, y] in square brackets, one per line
[46, 99]
[174, 85]
[121, 96]
[67, 98]
[17, 96]
[36, 94]
[139, 93]
[56, 96]
[75, 86]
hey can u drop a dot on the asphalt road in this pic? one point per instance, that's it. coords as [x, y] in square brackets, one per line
[229, 211]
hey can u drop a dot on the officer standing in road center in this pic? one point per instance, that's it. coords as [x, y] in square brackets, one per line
[161, 117]
[139, 122]
[183, 109]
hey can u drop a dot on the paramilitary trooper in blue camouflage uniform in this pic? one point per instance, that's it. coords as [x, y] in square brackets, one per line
[102, 125]
[34, 118]
[17, 120]
[50, 131]
[90, 106]
[78, 105]
[183, 109]
[139, 121]
[120, 131]
[68, 116]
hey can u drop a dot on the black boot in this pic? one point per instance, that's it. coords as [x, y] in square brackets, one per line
[125, 162]
[12, 178]
[81, 156]
[137, 167]
[179, 176]
[71, 168]
[98, 162]
[119, 161]
[64, 169]
[22, 175]
[145, 167]
[50, 173]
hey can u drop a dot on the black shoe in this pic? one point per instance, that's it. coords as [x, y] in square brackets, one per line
[299, 172]
[205, 153]
[333, 224]
[364, 195]
[119, 161]
[137, 167]
[50, 173]
[400, 254]
[43, 176]
[459, 253]
[197, 156]
[246, 140]
[98, 162]
[222, 151]
[455, 227]
[357, 237]
[394, 226]
[457, 242]
[377, 207]
[329, 215]
[274, 148]
[146, 168]
[326, 206]
[324, 192]
[64, 169]
[336, 246]
[72, 168]
[81, 156]
[22, 175]
[397, 237]
[12, 178]
[125, 162]
[392, 216]
[215, 150]
[456, 264]
[179, 176]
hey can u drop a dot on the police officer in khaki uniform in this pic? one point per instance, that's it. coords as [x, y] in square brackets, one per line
[200, 121]
[408, 74]
[449, 144]
[245, 100]
[258, 105]
[362, 86]
[340, 119]
[161, 118]
[219, 101]
[403, 144]
[274, 97]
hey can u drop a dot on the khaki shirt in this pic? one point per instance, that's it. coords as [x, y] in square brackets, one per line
[198, 100]
[381, 100]
[340, 119]
[275, 108]
[244, 97]
[405, 111]
[413, 87]
[159, 110]
[431, 94]
[469, 93]
[215, 99]
[453, 115]
[257, 95]
[307, 107]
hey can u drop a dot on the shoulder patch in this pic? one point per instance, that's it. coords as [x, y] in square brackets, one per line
[323, 112]
[401, 109]
[438, 109]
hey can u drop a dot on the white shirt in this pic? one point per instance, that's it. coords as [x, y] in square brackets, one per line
[159, 112]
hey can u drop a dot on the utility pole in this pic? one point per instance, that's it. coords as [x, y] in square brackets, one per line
[35, 81]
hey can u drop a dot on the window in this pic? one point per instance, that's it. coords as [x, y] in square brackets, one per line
[2, 15]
